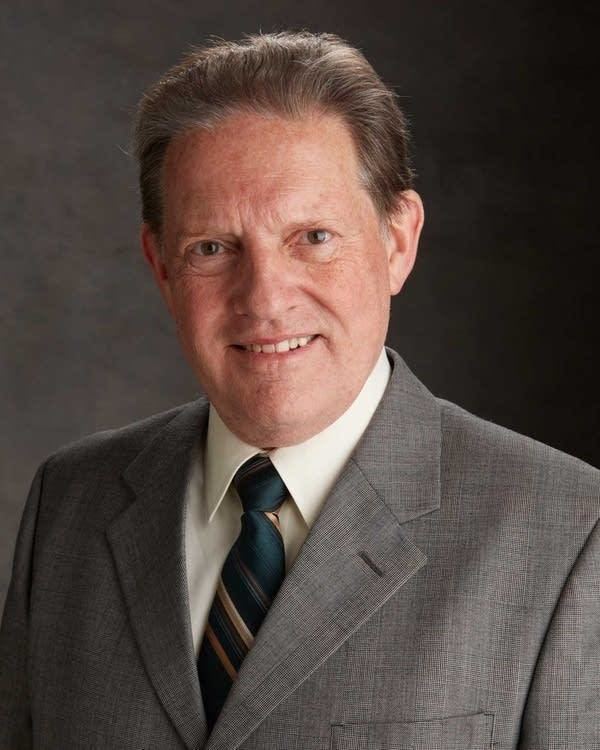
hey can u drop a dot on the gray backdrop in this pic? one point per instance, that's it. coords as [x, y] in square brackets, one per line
[500, 312]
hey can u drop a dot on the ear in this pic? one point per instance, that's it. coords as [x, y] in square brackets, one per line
[153, 253]
[404, 229]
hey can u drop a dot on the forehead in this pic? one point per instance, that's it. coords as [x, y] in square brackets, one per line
[261, 161]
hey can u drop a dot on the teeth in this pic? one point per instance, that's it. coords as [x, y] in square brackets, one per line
[280, 346]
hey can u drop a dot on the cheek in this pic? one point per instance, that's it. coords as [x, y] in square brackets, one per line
[370, 303]
[364, 286]
[194, 312]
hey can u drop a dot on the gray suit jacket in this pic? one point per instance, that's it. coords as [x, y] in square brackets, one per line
[447, 598]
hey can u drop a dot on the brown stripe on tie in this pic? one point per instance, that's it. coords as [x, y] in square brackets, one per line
[234, 616]
[274, 518]
[221, 655]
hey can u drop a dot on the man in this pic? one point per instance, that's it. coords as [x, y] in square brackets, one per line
[321, 554]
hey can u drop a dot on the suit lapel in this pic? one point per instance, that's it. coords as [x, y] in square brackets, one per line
[147, 542]
[354, 558]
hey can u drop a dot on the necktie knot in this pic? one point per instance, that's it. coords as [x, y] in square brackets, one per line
[259, 485]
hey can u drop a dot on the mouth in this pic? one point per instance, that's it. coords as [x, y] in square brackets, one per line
[278, 347]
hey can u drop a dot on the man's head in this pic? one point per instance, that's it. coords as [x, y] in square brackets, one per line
[290, 74]
[277, 207]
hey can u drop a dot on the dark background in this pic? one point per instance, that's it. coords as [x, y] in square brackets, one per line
[500, 314]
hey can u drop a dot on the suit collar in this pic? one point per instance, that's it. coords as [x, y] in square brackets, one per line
[162, 465]
[399, 453]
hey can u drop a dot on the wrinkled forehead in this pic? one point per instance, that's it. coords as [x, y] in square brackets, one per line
[263, 162]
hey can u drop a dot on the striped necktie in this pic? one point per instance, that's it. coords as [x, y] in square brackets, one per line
[250, 578]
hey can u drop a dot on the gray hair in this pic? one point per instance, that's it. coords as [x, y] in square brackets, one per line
[289, 74]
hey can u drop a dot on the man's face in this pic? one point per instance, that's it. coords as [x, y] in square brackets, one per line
[276, 271]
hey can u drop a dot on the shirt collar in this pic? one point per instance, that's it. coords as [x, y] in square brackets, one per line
[325, 453]
[224, 455]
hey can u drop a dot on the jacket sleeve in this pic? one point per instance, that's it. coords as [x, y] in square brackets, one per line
[15, 714]
[563, 705]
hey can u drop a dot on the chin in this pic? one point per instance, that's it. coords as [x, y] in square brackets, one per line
[294, 428]
[272, 428]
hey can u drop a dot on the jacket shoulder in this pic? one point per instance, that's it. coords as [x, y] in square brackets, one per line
[514, 466]
[113, 447]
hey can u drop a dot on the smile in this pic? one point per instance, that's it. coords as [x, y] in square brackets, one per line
[280, 346]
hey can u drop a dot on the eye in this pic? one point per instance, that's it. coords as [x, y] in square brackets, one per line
[317, 236]
[207, 248]
[209, 257]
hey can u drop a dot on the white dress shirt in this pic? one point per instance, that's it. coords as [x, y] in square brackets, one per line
[309, 470]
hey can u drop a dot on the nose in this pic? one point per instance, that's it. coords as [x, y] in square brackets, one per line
[265, 286]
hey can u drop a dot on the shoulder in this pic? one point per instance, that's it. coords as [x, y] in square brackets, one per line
[504, 466]
[83, 484]
[111, 449]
